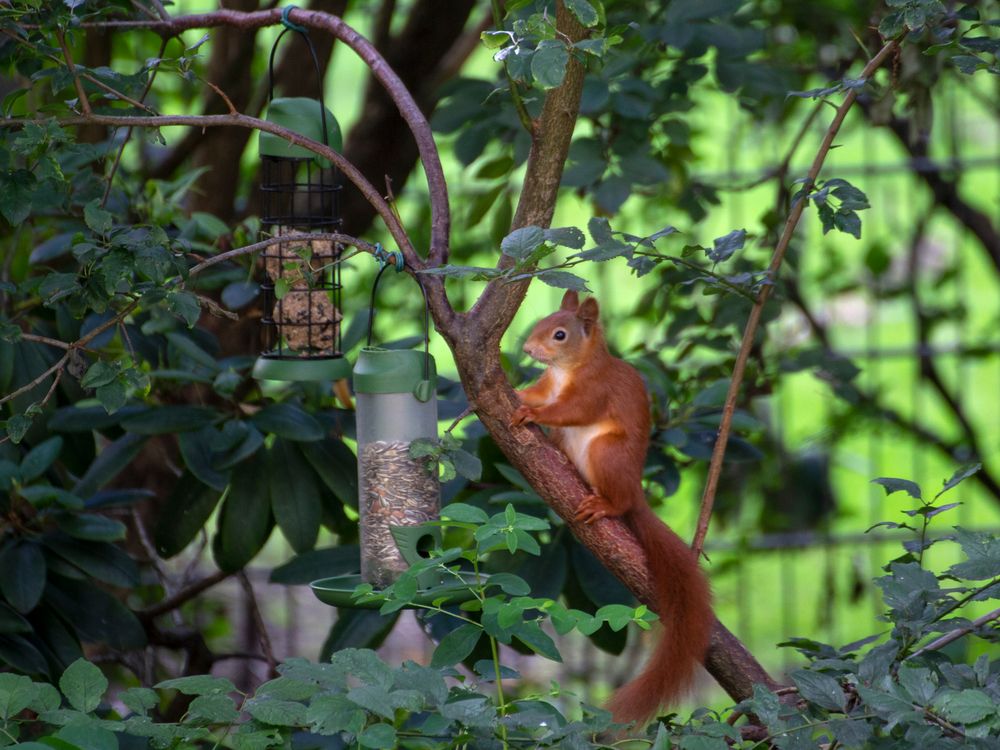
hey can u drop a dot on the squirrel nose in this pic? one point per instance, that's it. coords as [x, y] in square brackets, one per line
[529, 349]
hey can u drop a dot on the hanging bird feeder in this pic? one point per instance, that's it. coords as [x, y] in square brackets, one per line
[300, 193]
[395, 391]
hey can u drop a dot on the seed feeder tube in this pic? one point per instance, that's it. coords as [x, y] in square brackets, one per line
[396, 404]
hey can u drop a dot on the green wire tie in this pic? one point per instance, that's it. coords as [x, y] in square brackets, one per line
[288, 23]
[386, 257]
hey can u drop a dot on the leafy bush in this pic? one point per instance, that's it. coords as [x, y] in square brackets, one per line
[899, 689]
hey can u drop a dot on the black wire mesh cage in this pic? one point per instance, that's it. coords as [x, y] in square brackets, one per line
[300, 194]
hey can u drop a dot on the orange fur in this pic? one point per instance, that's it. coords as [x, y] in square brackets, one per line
[598, 410]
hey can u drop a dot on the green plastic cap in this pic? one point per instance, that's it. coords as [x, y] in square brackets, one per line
[301, 115]
[395, 371]
[301, 368]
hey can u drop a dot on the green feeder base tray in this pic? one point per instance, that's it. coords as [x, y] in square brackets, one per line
[337, 592]
[301, 368]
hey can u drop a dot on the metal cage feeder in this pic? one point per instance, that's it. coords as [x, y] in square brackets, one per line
[300, 193]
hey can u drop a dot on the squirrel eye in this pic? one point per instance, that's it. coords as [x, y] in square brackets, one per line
[559, 335]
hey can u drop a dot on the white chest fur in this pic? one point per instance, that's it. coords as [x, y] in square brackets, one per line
[575, 442]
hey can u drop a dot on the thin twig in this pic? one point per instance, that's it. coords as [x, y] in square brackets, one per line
[59, 364]
[470, 409]
[956, 634]
[265, 639]
[128, 133]
[749, 333]
[80, 93]
[226, 99]
[45, 340]
[343, 239]
[183, 596]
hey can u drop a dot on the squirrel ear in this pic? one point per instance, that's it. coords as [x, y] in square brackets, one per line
[589, 314]
[570, 301]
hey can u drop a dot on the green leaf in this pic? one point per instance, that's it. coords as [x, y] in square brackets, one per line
[295, 497]
[583, 11]
[967, 706]
[109, 462]
[983, 553]
[532, 636]
[724, 247]
[91, 526]
[139, 700]
[106, 562]
[467, 465]
[112, 396]
[919, 683]
[84, 685]
[17, 427]
[99, 220]
[548, 64]
[22, 574]
[457, 645]
[522, 242]
[18, 188]
[100, 373]
[336, 465]
[380, 736]
[277, 713]
[570, 237]
[213, 709]
[564, 280]
[318, 563]
[357, 628]
[821, 689]
[185, 306]
[897, 485]
[958, 477]
[288, 421]
[16, 694]
[245, 521]
[185, 513]
[464, 513]
[201, 684]
[197, 450]
[848, 222]
[161, 420]
[12, 622]
[40, 458]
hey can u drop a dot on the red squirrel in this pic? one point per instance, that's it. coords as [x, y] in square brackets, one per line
[598, 411]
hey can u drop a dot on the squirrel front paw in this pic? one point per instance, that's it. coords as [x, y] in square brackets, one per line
[592, 508]
[522, 415]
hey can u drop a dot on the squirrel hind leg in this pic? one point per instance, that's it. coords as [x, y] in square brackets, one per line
[615, 474]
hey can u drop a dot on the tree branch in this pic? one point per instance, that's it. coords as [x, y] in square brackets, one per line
[750, 331]
[411, 113]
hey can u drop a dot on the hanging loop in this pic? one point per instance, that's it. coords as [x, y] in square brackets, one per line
[288, 23]
[388, 257]
[304, 33]
[424, 390]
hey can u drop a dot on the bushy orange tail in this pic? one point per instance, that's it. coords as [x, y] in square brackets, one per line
[683, 601]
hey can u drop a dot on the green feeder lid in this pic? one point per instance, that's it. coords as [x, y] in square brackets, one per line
[300, 368]
[301, 115]
[395, 371]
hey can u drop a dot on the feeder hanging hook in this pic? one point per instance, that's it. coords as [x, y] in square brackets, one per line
[288, 23]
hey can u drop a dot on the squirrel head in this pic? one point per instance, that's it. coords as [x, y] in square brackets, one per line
[568, 337]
